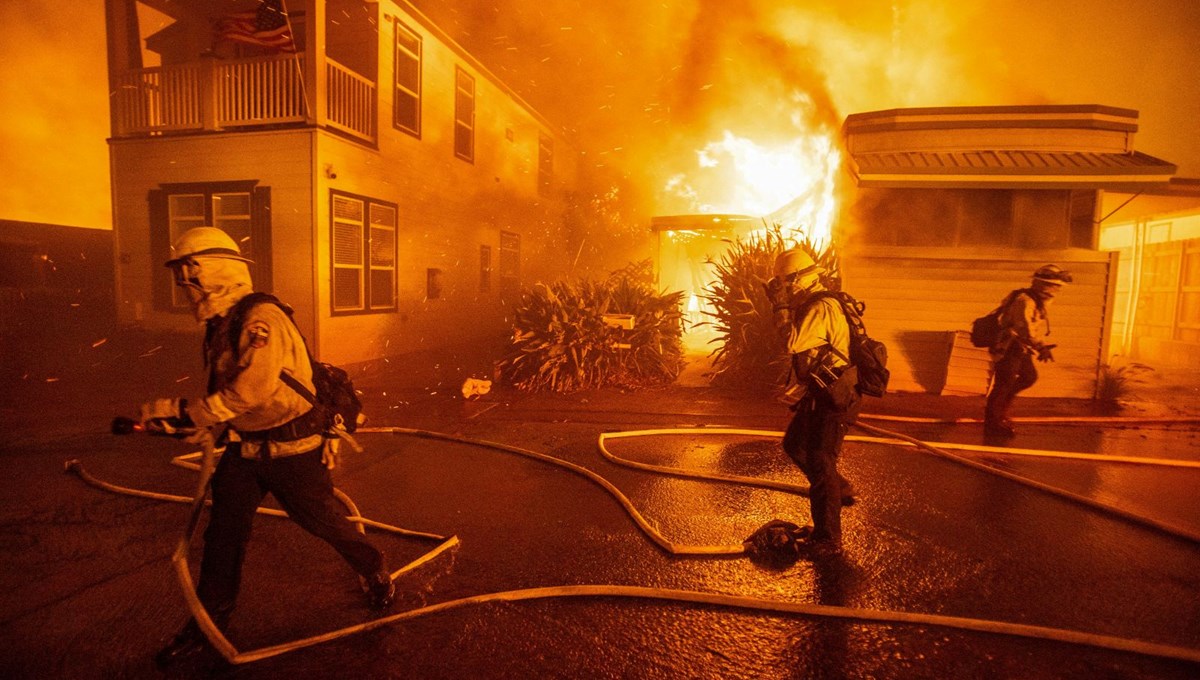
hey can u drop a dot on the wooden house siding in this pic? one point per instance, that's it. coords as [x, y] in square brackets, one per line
[447, 208]
[281, 160]
[917, 298]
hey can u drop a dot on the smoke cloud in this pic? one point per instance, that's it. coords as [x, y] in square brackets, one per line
[646, 85]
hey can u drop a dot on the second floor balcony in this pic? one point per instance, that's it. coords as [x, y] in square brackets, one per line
[222, 94]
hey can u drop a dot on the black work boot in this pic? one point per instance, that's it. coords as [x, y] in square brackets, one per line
[188, 643]
[381, 592]
[998, 428]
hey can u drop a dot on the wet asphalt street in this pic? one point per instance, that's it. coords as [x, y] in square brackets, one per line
[89, 590]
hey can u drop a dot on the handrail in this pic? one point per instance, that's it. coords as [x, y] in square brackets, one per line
[350, 101]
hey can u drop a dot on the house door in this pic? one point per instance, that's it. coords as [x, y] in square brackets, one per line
[1167, 311]
[241, 209]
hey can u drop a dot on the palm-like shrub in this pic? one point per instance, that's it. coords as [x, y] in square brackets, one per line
[749, 351]
[561, 342]
[1118, 378]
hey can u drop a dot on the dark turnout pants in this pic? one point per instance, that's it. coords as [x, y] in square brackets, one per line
[1013, 373]
[303, 487]
[814, 441]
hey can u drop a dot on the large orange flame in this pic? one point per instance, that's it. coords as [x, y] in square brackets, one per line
[790, 184]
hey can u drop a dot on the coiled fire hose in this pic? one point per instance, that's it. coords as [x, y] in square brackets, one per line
[231, 654]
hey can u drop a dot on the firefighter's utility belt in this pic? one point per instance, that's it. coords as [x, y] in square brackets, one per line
[838, 383]
[300, 427]
[824, 375]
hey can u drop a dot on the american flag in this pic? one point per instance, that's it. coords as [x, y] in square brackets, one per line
[266, 26]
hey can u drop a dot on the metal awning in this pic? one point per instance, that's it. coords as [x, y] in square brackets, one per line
[1010, 169]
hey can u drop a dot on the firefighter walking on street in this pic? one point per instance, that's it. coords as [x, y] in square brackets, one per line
[1024, 329]
[273, 436]
[826, 398]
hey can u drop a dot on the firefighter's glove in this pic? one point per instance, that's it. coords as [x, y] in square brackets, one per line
[167, 417]
[329, 454]
[783, 319]
[1044, 354]
[776, 290]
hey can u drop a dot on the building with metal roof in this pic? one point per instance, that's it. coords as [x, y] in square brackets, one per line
[957, 206]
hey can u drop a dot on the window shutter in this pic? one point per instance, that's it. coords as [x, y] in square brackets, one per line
[260, 235]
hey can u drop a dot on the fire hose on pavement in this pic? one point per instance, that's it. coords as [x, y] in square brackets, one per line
[232, 655]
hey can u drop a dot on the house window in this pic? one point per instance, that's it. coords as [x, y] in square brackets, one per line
[240, 209]
[510, 262]
[545, 164]
[485, 268]
[464, 115]
[364, 254]
[406, 106]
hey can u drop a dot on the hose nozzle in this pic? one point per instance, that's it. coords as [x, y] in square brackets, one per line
[122, 425]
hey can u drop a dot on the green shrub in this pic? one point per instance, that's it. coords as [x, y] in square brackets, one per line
[561, 342]
[750, 353]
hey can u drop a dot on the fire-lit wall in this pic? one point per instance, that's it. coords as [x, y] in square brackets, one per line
[448, 208]
[450, 211]
[1156, 311]
[280, 160]
[929, 261]
[918, 298]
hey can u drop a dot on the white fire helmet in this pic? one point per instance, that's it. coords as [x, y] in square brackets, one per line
[205, 242]
[208, 264]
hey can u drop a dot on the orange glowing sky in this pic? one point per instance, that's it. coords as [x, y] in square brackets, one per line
[643, 85]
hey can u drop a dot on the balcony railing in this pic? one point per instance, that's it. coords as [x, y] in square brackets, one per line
[215, 95]
[351, 100]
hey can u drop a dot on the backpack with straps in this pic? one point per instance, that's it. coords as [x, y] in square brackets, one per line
[340, 407]
[867, 354]
[985, 331]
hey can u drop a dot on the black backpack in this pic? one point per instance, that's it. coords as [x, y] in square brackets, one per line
[340, 407]
[866, 353]
[985, 331]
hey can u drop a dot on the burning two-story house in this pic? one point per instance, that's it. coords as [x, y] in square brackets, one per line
[384, 182]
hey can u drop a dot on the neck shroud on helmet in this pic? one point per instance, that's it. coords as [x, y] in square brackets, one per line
[208, 263]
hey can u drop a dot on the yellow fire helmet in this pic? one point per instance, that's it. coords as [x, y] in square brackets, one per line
[795, 263]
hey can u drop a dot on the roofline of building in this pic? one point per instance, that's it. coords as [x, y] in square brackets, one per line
[1016, 109]
[1078, 116]
[1118, 183]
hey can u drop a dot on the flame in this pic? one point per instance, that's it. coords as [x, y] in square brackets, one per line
[791, 184]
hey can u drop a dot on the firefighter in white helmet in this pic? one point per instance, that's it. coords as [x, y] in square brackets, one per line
[1024, 329]
[273, 439]
[826, 400]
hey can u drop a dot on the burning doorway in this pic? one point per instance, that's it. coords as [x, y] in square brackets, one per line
[688, 245]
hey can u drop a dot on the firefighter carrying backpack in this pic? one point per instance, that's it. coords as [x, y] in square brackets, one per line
[985, 331]
[867, 354]
[336, 401]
